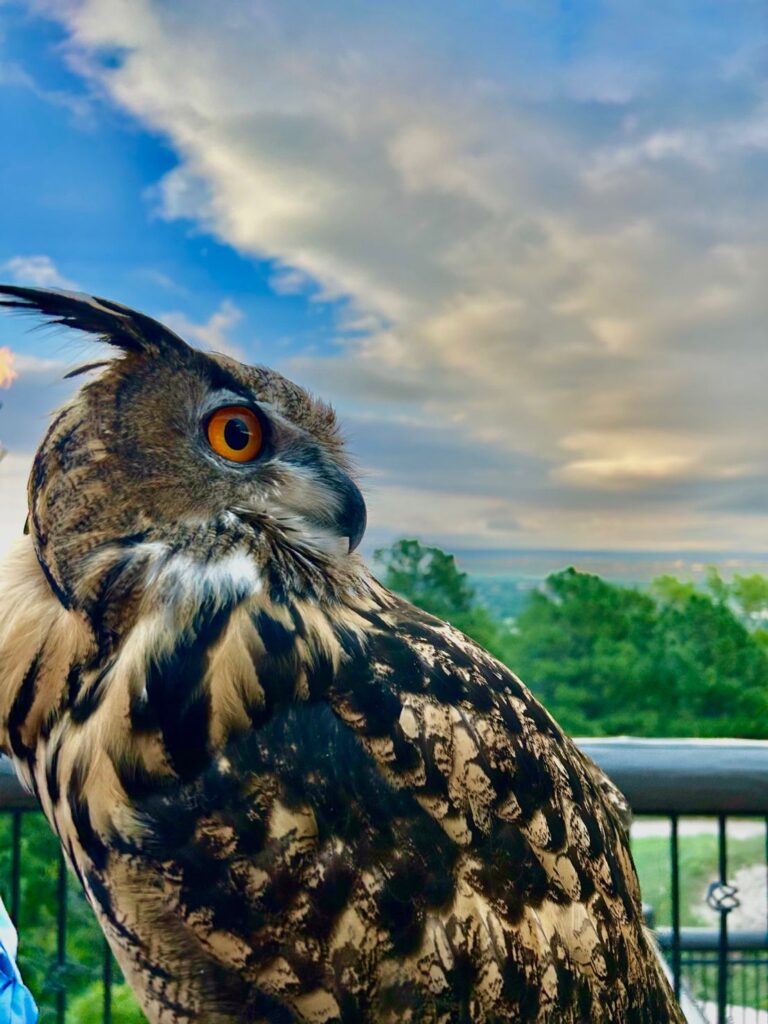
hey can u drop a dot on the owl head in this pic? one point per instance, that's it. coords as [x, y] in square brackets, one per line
[192, 451]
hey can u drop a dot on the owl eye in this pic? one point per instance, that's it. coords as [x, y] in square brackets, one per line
[235, 433]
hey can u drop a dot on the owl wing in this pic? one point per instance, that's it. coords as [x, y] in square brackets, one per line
[389, 827]
[550, 915]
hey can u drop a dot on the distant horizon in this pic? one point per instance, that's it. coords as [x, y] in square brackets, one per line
[640, 552]
[629, 566]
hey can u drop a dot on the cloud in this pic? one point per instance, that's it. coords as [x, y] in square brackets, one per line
[39, 271]
[213, 333]
[26, 407]
[14, 470]
[80, 107]
[8, 373]
[633, 469]
[549, 231]
[160, 279]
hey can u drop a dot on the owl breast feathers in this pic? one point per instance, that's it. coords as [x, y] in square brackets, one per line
[288, 794]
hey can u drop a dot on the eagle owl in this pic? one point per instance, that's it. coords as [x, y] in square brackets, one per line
[288, 794]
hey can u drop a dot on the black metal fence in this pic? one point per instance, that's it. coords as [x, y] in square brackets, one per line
[47, 907]
[701, 964]
[719, 972]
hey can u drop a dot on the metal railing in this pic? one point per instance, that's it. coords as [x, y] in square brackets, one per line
[721, 780]
[720, 973]
[51, 970]
[701, 964]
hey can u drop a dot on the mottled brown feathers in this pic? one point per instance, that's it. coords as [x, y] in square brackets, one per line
[345, 813]
[289, 795]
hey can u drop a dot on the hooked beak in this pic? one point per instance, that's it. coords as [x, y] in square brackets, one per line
[345, 519]
[353, 516]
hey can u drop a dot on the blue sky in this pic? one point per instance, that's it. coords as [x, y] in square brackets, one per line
[520, 246]
[81, 173]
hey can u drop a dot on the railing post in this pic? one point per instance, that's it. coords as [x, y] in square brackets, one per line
[722, 897]
[675, 892]
[16, 869]
[107, 981]
[61, 941]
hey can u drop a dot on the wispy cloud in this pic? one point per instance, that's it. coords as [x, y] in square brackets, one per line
[79, 106]
[213, 333]
[39, 271]
[14, 470]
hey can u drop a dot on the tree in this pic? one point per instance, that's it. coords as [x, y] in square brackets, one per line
[750, 593]
[583, 646]
[672, 591]
[429, 577]
[713, 670]
[608, 659]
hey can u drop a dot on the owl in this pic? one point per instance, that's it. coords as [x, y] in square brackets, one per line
[288, 794]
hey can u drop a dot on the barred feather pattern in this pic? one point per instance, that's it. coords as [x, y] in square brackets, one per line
[291, 796]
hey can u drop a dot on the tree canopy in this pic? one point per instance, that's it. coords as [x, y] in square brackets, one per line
[606, 659]
[429, 577]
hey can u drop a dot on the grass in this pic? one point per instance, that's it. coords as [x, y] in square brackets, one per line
[698, 867]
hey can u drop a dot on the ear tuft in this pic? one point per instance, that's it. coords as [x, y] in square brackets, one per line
[115, 324]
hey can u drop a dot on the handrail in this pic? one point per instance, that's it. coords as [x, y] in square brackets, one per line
[13, 796]
[708, 939]
[686, 776]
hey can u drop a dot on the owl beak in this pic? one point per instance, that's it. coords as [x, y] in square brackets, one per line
[340, 511]
[353, 517]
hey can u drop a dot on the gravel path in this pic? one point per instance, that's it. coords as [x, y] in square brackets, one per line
[736, 1014]
[738, 828]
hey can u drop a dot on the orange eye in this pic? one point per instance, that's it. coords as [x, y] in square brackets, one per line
[234, 432]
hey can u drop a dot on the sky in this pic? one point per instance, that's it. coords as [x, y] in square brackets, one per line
[521, 247]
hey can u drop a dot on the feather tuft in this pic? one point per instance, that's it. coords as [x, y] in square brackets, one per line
[113, 323]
